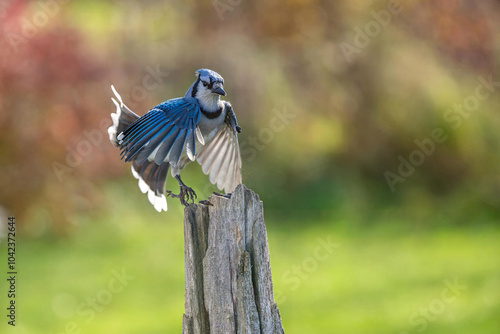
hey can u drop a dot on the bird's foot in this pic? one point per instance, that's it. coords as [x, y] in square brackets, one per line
[222, 195]
[186, 194]
[171, 194]
[206, 202]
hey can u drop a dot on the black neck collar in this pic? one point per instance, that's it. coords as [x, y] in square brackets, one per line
[212, 114]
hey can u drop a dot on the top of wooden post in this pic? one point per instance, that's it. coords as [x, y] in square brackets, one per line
[229, 285]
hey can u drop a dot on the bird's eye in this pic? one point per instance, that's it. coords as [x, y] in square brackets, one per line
[205, 84]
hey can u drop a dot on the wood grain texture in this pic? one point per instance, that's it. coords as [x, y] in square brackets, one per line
[229, 286]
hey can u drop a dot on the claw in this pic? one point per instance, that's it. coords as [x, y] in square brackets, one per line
[222, 195]
[185, 195]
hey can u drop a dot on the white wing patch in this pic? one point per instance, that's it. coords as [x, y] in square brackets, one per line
[221, 159]
[199, 135]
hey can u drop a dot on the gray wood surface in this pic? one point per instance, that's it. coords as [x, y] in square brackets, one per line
[229, 287]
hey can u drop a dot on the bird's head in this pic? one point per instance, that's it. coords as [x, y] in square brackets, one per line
[208, 88]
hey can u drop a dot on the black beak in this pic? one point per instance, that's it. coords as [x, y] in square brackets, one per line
[219, 90]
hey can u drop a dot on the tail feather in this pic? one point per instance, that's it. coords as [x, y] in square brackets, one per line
[121, 119]
[152, 177]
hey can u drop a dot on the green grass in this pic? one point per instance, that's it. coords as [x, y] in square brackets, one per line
[372, 281]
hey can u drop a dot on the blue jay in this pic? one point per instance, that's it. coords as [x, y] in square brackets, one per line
[198, 126]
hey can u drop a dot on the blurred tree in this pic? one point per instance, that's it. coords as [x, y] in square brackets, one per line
[49, 120]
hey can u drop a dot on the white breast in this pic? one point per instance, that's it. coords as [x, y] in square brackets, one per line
[210, 126]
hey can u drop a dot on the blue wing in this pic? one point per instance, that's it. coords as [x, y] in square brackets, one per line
[162, 133]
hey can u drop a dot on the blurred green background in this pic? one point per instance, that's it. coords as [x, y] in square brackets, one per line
[371, 131]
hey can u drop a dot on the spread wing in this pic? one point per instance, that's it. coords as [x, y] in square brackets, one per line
[221, 158]
[163, 133]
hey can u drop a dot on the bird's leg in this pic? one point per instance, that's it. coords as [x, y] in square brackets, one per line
[186, 193]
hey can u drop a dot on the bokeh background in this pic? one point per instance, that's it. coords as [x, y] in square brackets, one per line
[371, 131]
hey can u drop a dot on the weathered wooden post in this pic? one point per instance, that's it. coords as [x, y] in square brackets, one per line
[229, 287]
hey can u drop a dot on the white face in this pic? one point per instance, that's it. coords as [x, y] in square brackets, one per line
[209, 100]
[203, 85]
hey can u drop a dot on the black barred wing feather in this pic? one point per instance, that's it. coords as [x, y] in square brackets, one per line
[162, 134]
[221, 158]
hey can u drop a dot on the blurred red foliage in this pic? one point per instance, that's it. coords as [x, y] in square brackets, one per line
[459, 29]
[51, 125]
